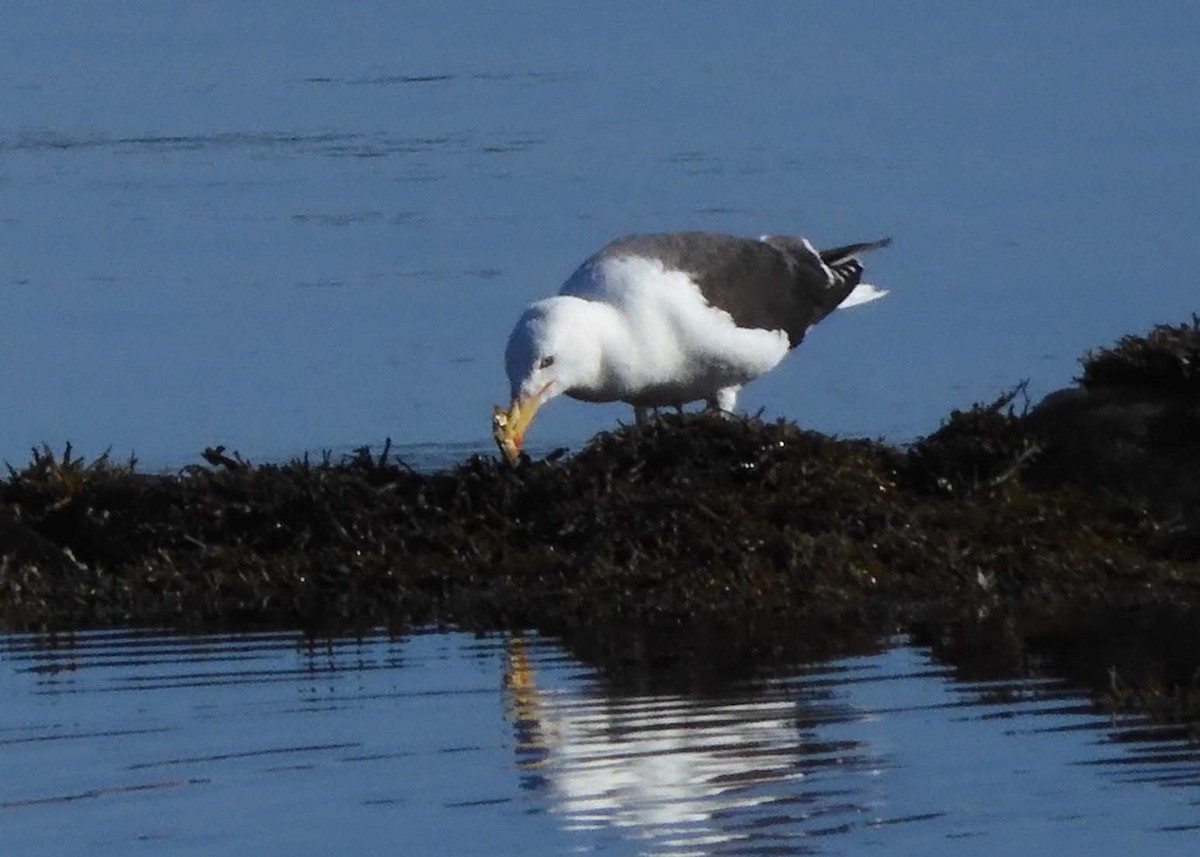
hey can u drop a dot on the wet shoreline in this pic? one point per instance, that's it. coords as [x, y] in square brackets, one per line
[1064, 537]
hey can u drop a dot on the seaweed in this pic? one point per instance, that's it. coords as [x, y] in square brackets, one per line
[706, 542]
[1166, 358]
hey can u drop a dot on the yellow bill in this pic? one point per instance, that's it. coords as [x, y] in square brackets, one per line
[508, 427]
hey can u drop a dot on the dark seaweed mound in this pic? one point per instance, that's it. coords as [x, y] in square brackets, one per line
[1166, 358]
[1132, 429]
[716, 542]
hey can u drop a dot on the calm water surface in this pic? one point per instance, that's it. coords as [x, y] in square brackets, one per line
[126, 743]
[293, 226]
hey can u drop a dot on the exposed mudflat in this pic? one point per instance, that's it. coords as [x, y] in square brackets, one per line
[1067, 536]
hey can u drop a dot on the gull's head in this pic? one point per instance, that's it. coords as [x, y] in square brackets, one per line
[551, 351]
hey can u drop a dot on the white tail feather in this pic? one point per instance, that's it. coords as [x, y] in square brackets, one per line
[863, 293]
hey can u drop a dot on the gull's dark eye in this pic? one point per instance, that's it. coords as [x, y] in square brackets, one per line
[545, 362]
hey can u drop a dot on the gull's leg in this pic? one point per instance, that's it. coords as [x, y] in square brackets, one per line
[724, 401]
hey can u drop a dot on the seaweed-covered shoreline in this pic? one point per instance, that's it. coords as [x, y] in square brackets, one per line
[1068, 535]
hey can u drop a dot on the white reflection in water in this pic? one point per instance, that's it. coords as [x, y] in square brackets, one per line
[886, 751]
[687, 773]
[275, 744]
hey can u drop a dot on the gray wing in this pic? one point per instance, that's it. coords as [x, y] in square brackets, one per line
[778, 283]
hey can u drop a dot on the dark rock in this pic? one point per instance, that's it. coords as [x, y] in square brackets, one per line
[1132, 428]
[1167, 359]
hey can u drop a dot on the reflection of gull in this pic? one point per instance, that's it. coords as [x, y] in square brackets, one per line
[685, 772]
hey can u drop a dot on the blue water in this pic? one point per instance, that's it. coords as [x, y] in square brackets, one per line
[135, 743]
[296, 226]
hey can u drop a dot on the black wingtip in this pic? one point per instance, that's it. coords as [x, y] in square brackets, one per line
[835, 255]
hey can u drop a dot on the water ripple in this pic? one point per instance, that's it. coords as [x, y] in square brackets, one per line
[342, 741]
